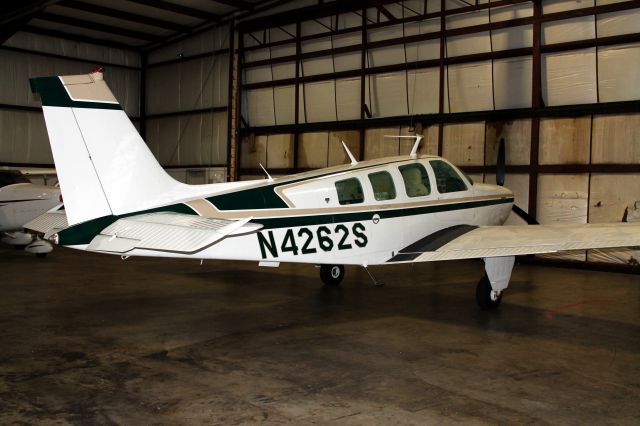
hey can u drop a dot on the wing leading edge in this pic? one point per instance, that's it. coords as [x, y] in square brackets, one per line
[466, 242]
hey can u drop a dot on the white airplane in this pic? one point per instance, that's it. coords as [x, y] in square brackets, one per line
[411, 208]
[20, 202]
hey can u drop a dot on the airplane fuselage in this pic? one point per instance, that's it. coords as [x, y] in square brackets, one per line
[361, 214]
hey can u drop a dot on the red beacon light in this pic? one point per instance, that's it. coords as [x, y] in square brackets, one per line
[97, 73]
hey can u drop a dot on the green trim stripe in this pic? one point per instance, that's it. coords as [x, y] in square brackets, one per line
[260, 198]
[53, 93]
[85, 232]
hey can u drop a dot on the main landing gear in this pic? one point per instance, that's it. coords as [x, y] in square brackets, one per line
[331, 274]
[494, 282]
[486, 297]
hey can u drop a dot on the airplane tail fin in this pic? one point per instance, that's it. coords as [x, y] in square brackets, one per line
[103, 165]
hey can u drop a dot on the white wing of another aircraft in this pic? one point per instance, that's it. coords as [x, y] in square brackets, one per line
[20, 202]
[48, 223]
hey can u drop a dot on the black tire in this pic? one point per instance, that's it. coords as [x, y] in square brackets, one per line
[483, 295]
[331, 274]
[41, 255]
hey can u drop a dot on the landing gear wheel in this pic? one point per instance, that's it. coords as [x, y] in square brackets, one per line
[331, 274]
[41, 255]
[486, 298]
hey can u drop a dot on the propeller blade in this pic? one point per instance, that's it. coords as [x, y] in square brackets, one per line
[500, 164]
[524, 215]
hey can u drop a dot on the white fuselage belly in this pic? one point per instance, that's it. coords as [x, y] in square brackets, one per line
[360, 242]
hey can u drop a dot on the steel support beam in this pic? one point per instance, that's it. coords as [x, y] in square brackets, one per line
[604, 108]
[188, 112]
[536, 102]
[125, 16]
[78, 38]
[143, 96]
[69, 58]
[95, 26]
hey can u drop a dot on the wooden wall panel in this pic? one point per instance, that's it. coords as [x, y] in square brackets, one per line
[337, 155]
[565, 140]
[563, 199]
[616, 139]
[279, 151]
[611, 195]
[429, 145]
[313, 150]
[517, 137]
[464, 143]
[377, 146]
[253, 151]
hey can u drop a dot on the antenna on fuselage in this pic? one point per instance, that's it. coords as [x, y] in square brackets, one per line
[416, 145]
[351, 157]
[269, 178]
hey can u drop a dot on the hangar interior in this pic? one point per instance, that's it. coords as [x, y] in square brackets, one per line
[218, 88]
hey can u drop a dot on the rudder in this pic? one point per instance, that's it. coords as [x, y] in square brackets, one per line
[104, 167]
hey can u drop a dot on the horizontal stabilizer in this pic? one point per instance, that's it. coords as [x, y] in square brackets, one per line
[167, 231]
[493, 241]
[48, 223]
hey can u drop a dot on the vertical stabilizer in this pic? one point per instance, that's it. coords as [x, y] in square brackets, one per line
[103, 165]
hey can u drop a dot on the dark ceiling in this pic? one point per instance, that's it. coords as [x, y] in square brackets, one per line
[131, 24]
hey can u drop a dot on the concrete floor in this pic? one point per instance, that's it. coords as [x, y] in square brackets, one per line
[90, 339]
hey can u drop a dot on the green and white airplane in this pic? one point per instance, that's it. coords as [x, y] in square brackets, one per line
[404, 209]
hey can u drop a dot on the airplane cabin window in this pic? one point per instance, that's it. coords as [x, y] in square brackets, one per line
[382, 184]
[349, 191]
[416, 180]
[447, 179]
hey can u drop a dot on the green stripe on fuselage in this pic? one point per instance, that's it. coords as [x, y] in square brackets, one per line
[85, 232]
[260, 198]
[53, 93]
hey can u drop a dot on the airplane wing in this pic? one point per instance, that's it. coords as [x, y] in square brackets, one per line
[168, 231]
[466, 242]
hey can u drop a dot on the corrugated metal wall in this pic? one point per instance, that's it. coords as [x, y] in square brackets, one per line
[25, 55]
[187, 89]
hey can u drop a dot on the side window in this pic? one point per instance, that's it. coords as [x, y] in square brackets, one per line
[416, 180]
[447, 179]
[349, 191]
[382, 184]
